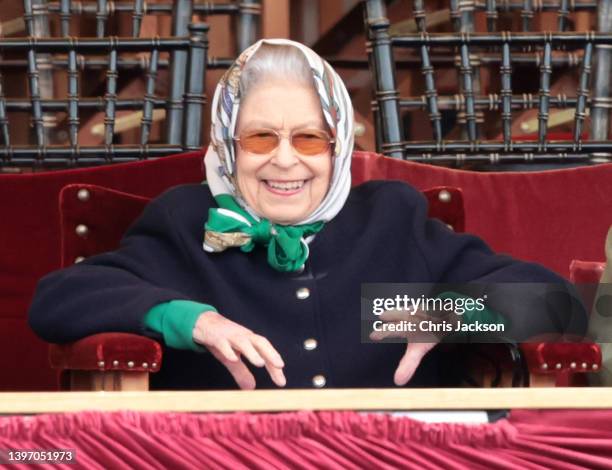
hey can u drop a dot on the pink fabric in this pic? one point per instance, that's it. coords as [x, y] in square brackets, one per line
[308, 440]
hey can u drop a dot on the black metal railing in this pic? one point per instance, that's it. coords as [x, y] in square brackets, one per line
[189, 104]
[498, 49]
[183, 56]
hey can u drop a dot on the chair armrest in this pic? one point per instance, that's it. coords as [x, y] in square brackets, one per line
[554, 358]
[557, 364]
[106, 352]
[532, 364]
[106, 361]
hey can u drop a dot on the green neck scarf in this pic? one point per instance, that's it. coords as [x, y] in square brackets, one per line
[230, 225]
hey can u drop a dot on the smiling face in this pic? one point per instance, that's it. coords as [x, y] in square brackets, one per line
[282, 186]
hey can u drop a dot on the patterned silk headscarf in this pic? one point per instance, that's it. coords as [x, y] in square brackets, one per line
[234, 223]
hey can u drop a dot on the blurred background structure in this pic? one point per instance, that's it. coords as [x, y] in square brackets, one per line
[441, 72]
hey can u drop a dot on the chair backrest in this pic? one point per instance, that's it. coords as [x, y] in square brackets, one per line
[549, 217]
[500, 52]
[94, 218]
[69, 62]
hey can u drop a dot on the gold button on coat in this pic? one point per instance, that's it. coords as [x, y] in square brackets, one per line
[319, 381]
[302, 293]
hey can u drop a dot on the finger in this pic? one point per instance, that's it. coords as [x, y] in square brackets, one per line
[226, 351]
[395, 315]
[410, 314]
[245, 347]
[277, 375]
[379, 335]
[410, 361]
[242, 375]
[267, 351]
[240, 372]
[274, 361]
[414, 336]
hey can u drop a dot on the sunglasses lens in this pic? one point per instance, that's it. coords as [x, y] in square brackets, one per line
[263, 141]
[259, 142]
[310, 142]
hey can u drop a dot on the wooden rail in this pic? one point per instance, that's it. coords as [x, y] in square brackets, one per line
[291, 400]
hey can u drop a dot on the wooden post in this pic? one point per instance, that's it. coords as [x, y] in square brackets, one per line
[109, 381]
[275, 19]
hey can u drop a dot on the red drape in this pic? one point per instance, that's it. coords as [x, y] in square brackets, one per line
[307, 440]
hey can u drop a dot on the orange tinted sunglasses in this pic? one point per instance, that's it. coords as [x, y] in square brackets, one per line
[307, 142]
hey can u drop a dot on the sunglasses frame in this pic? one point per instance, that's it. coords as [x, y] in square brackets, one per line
[285, 135]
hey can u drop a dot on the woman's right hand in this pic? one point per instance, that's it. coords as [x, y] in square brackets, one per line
[229, 342]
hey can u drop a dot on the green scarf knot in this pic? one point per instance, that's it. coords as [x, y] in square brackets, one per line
[231, 226]
[260, 232]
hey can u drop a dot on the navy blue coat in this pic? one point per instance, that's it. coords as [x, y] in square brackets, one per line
[381, 235]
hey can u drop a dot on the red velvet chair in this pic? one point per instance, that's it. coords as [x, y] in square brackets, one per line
[114, 361]
[549, 217]
[119, 361]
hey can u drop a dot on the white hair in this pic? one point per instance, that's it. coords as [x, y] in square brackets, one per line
[278, 62]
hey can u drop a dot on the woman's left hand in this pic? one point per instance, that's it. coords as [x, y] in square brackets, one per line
[410, 361]
[415, 350]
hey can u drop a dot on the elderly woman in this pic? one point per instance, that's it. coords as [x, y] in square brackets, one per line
[286, 246]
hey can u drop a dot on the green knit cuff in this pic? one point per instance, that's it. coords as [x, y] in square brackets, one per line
[175, 321]
[473, 315]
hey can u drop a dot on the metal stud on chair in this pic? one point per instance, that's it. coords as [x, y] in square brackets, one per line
[82, 230]
[444, 196]
[83, 195]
